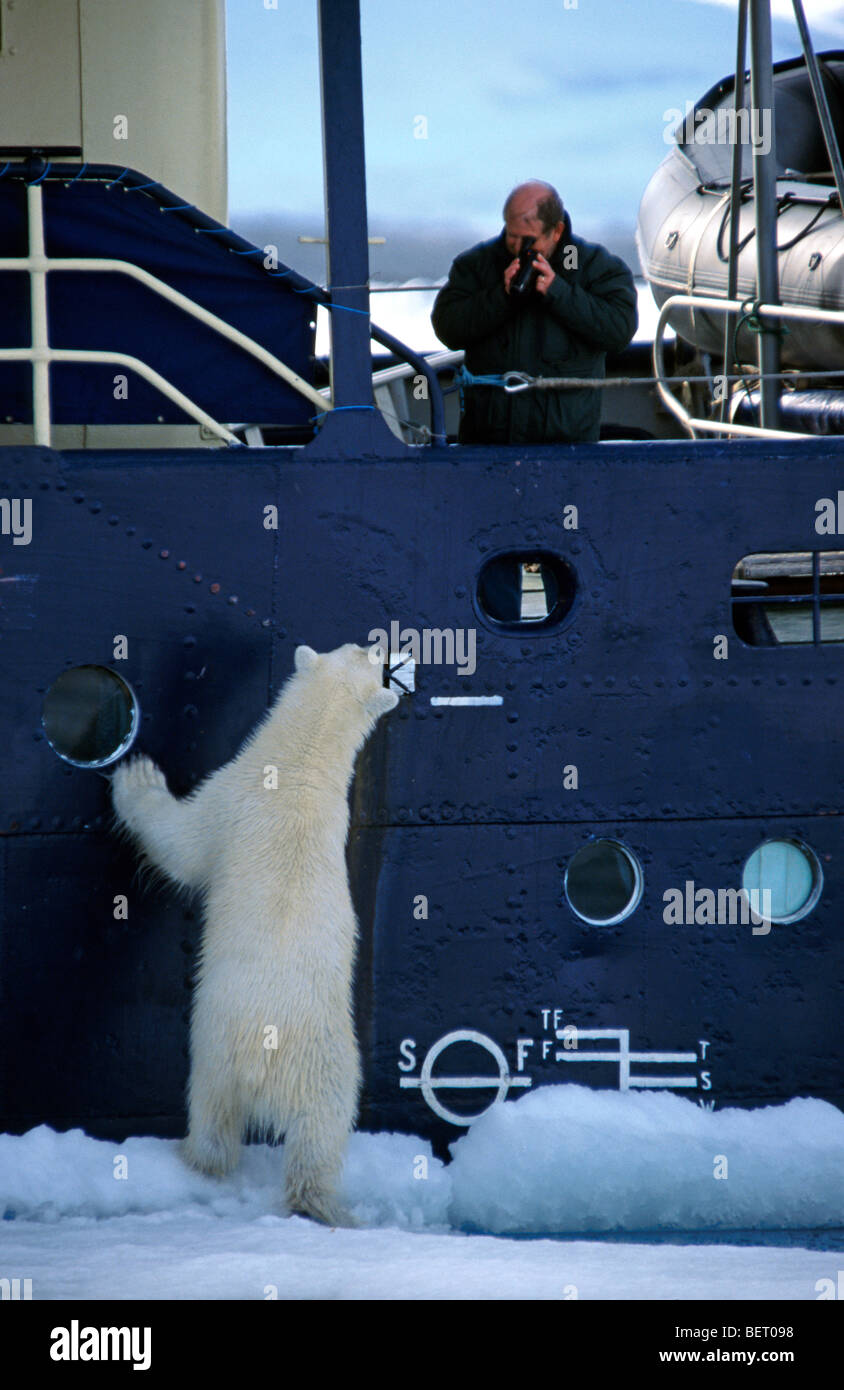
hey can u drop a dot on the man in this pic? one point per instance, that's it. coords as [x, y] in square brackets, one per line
[582, 307]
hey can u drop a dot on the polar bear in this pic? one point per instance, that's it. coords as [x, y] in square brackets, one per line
[273, 1047]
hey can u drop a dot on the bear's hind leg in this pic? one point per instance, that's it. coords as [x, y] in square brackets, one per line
[313, 1152]
[215, 1127]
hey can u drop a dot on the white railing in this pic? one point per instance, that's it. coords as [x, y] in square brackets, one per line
[695, 301]
[439, 360]
[37, 264]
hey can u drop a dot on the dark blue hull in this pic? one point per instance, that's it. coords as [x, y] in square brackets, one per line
[464, 819]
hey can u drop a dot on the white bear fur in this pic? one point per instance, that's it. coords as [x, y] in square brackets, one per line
[279, 932]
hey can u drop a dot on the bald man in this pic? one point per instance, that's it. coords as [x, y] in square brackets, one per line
[582, 306]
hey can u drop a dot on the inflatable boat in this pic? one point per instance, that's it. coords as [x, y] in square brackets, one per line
[683, 226]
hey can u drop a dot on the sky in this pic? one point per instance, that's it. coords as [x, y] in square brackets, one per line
[573, 91]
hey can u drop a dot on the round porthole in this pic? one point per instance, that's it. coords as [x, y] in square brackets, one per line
[603, 883]
[90, 716]
[787, 870]
[525, 591]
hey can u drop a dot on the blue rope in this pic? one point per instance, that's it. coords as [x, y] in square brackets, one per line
[178, 207]
[466, 378]
[463, 378]
[79, 175]
[139, 187]
[30, 183]
[119, 178]
[347, 308]
[209, 231]
[8, 166]
[323, 413]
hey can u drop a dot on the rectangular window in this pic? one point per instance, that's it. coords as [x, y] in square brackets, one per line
[789, 598]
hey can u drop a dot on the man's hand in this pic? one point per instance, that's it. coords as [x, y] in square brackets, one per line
[509, 273]
[545, 276]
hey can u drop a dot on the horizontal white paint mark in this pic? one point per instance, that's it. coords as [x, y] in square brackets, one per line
[663, 1056]
[467, 699]
[651, 1081]
[574, 1056]
[464, 1083]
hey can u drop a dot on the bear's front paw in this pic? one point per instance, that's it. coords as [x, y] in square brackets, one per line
[131, 779]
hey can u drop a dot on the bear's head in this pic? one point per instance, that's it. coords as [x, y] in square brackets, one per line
[349, 667]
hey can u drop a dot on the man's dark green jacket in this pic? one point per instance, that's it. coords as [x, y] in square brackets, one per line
[587, 312]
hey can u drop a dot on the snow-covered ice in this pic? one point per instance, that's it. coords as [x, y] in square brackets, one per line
[561, 1159]
[568, 1158]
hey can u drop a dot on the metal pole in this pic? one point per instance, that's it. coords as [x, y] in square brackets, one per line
[765, 198]
[38, 317]
[735, 197]
[353, 428]
[821, 103]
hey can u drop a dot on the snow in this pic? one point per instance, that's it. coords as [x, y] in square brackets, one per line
[531, 1166]
[561, 1159]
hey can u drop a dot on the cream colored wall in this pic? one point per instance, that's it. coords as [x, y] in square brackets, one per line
[40, 97]
[71, 69]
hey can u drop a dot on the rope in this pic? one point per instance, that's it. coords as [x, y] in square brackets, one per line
[785, 201]
[751, 317]
[337, 408]
[30, 183]
[523, 381]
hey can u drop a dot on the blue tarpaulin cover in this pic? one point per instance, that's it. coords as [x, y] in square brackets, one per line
[104, 216]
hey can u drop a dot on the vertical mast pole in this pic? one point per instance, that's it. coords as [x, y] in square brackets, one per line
[765, 198]
[353, 429]
[821, 103]
[735, 199]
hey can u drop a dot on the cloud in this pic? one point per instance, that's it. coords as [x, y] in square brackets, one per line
[824, 15]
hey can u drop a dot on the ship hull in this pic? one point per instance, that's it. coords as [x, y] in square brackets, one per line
[465, 817]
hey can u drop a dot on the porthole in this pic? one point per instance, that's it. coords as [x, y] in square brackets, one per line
[90, 716]
[790, 872]
[603, 883]
[525, 591]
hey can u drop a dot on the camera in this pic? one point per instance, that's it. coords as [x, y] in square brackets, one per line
[526, 276]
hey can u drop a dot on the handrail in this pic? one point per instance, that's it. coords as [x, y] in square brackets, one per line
[182, 301]
[131, 181]
[687, 301]
[37, 265]
[449, 357]
[429, 367]
[41, 358]
[417, 361]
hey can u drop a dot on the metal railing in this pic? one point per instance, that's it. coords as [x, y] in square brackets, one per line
[724, 306]
[40, 354]
[37, 264]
